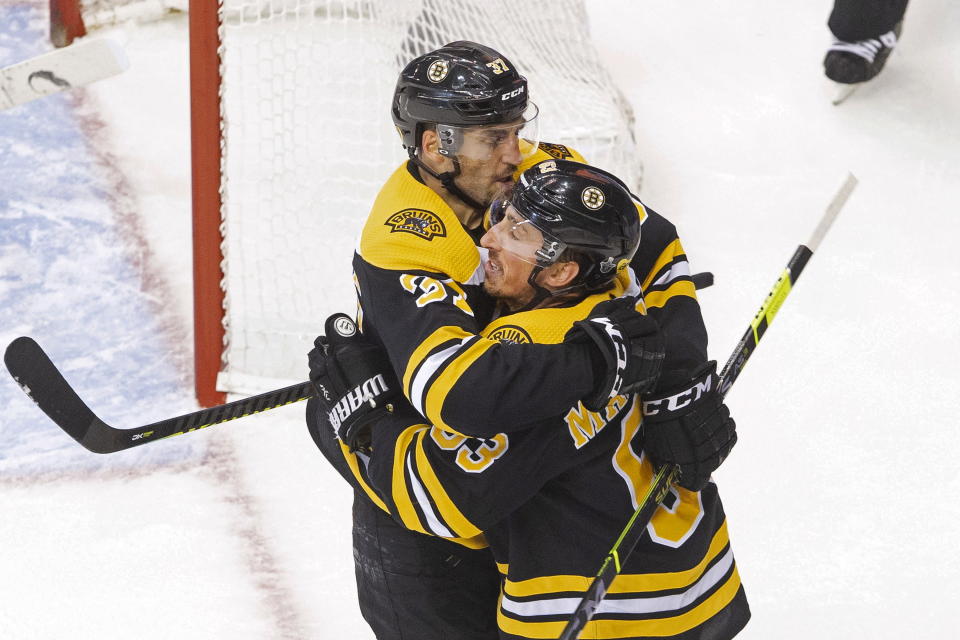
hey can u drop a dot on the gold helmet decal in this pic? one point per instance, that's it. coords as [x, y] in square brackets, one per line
[438, 70]
[592, 198]
[419, 222]
[511, 334]
[498, 66]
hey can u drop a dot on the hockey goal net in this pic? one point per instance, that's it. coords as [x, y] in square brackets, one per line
[292, 138]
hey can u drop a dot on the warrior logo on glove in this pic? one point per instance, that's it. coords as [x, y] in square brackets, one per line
[366, 393]
[353, 380]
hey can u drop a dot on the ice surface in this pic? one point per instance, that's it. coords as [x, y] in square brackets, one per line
[840, 493]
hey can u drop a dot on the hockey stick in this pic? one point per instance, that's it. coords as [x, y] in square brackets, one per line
[75, 66]
[45, 385]
[702, 280]
[42, 381]
[666, 475]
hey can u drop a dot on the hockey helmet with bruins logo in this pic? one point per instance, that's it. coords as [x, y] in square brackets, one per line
[460, 85]
[577, 208]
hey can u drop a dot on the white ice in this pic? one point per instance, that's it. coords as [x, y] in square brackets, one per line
[841, 494]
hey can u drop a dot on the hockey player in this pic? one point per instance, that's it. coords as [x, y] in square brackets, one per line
[551, 499]
[865, 32]
[464, 117]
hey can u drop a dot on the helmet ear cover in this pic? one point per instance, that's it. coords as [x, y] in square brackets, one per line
[450, 139]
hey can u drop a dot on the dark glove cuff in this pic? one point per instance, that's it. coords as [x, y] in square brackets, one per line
[682, 399]
[607, 372]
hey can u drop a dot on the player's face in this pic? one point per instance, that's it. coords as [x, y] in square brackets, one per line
[511, 244]
[489, 155]
[488, 159]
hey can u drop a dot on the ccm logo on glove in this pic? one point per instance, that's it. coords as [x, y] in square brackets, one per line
[680, 400]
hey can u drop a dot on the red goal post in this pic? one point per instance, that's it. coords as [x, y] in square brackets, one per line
[291, 139]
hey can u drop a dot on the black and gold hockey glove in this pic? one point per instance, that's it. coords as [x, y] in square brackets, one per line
[689, 426]
[629, 347]
[352, 379]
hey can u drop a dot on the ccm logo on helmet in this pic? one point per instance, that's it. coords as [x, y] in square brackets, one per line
[511, 94]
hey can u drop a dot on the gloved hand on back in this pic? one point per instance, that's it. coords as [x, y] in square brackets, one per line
[630, 350]
[353, 380]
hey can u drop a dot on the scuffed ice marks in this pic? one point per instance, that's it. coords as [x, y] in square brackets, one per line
[68, 278]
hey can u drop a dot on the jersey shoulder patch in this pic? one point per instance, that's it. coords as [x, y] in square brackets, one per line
[510, 334]
[558, 151]
[410, 228]
[420, 222]
[548, 325]
[548, 151]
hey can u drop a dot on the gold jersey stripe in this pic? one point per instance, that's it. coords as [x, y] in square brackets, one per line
[351, 459]
[625, 458]
[450, 374]
[401, 496]
[447, 509]
[679, 288]
[423, 350]
[625, 583]
[476, 542]
[611, 629]
[641, 211]
[671, 251]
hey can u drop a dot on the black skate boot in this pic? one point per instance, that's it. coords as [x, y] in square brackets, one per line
[856, 62]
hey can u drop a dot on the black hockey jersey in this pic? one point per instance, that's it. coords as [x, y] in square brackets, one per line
[551, 500]
[417, 270]
[414, 266]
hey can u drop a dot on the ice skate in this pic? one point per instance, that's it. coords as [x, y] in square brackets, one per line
[852, 63]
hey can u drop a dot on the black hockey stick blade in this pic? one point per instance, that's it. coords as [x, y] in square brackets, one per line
[45, 385]
[702, 280]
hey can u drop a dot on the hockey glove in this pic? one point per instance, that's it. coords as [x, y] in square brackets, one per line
[690, 427]
[630, 349]
[352, 379]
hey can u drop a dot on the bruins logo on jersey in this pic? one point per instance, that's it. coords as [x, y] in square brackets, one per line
[419, 222]
[511, 334]
[558, 151]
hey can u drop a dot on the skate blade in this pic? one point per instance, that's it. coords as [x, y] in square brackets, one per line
[844, 91]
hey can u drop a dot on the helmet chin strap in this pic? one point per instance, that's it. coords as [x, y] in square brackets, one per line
[541, 293]
[446, 179]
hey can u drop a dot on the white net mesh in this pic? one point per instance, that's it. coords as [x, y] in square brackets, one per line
[308, 141]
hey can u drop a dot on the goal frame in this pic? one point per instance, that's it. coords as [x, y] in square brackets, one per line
[206, 124]
[211, 117]
[66, 23]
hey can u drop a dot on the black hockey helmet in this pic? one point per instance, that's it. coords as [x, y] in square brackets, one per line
[463, 84]
[579, 209]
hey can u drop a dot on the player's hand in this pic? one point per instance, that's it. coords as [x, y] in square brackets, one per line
[630, 347]
[352, 379]
[690, 426]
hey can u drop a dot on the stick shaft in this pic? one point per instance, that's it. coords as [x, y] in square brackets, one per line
[667, 474]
